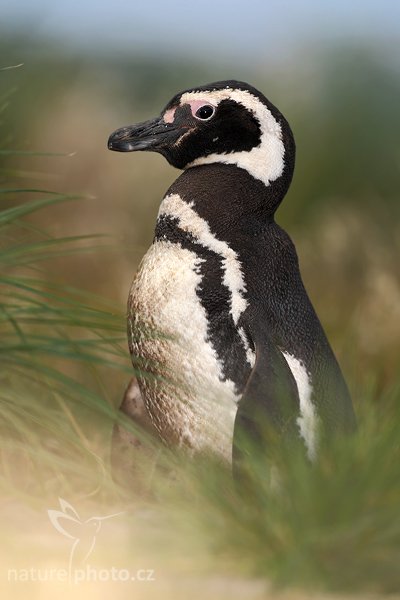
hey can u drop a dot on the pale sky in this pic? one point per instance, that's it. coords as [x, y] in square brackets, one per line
[227, 29]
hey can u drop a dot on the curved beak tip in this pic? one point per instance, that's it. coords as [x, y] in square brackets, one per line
[120, 140]
[149, 135]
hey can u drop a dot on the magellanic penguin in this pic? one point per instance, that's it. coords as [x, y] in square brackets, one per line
[218, 313]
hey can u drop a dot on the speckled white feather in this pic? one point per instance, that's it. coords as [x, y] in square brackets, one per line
[308, 420]
[266, 161]
[164, 293]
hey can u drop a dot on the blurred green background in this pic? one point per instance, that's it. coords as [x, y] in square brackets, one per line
[332, 70]
[88, 68]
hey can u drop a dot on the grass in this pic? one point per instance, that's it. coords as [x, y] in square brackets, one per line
[334, 525]
[63, 363]
[57, 344]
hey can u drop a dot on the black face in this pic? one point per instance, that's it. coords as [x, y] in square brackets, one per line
[227, 128]
[186, 132]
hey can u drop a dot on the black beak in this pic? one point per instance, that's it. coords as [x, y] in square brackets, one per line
[155, 135]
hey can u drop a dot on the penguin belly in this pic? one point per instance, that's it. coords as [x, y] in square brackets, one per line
[190, 400]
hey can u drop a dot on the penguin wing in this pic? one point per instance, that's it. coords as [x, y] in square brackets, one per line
[268, 408]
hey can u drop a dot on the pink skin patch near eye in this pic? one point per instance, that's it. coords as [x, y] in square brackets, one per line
[196, 104]
[169, 115]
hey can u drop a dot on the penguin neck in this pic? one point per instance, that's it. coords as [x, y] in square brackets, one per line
[228, 197]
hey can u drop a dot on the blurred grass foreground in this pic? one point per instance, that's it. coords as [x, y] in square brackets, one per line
[64, 365]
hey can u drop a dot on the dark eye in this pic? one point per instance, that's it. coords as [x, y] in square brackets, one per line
[205, 112]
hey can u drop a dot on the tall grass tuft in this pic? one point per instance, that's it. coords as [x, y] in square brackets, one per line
[58, 345]
[333, 525]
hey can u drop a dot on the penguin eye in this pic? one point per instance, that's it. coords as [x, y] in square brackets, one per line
[205, 112]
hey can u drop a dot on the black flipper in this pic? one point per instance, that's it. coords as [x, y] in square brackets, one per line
[268, 409]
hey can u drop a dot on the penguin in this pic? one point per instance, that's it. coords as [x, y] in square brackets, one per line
[220, 325]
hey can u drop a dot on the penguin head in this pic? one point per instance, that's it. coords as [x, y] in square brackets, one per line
[225, 122]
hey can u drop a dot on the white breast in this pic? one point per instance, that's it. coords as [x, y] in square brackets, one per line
[173, 205]
[164, 297]
[190, 221]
